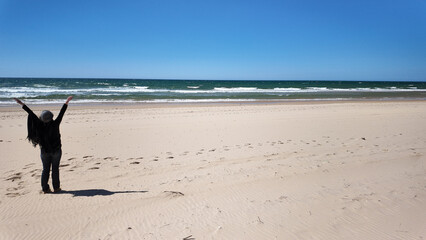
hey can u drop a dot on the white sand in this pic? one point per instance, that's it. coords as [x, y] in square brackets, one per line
[285, 171]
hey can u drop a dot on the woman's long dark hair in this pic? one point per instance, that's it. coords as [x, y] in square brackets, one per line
[34, 130]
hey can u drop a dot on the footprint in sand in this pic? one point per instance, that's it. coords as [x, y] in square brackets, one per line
[28, 166]
[12, 190]
[14, 177]
[188, 238]
[13, 194]
[134, 162]
[36, 175]
[184, 153]
[93, 168]
[173, 194]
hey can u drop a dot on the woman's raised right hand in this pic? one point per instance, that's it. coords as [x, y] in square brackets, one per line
[19, 101]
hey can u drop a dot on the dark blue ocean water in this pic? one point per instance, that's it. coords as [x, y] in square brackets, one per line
[55, 90]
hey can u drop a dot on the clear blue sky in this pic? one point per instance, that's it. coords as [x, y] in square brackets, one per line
[207, 39]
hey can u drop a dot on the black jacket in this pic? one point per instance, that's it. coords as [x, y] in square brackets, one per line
[45, 134]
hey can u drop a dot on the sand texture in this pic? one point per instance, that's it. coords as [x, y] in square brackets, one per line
[345, 170]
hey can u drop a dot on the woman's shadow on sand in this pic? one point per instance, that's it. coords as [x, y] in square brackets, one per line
[94, 192]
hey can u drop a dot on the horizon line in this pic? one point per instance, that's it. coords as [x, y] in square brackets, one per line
[197, 79]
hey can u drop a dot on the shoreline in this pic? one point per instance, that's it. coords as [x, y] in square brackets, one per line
[91, 105]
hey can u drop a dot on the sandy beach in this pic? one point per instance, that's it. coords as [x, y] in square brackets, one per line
[324, 170]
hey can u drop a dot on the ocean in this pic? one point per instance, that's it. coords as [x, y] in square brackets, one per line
[56, 90]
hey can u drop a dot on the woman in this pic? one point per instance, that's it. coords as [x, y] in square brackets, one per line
[44, 131]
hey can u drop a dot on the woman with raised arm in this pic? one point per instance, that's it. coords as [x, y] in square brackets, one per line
[44, 131]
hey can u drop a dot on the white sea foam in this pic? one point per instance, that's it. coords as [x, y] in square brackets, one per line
[25, 92]
[190, 91]
[238, 89]
[42, 86]
[89, 101]
[287, 90]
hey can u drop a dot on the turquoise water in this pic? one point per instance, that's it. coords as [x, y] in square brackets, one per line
[55, 90]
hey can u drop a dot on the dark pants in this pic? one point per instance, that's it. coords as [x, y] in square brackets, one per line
[50, 159]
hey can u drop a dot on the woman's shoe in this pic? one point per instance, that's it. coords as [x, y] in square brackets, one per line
[47, 191]
[56, 190]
